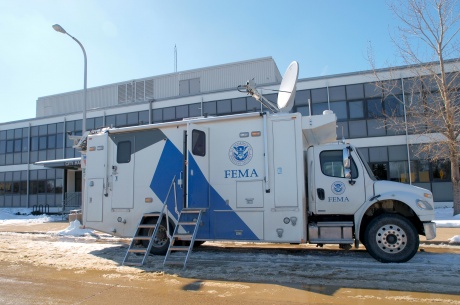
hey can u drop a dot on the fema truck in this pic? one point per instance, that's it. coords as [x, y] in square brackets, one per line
[273, 176]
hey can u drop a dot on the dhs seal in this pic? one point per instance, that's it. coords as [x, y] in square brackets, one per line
[338, 188]
[240, 153]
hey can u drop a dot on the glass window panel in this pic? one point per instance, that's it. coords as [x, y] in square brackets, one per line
[441, 170]
[378, 154]
[2, 146]
[34, 131]
[42, 130]
[33, 187]
[376, 128]
[397, 152]
[42, 142]
[23, 187]
[33, 174]
[41, 174]
[78, 125]
[9, 159]
[356, 109]
[239, 105]
[224, 107]
[399, 171]
[372, 90]
[194, 110]
[121, 120]
[90, 124]
[50, 186]
[59, 173]
[393, 106]
[2, 187]
[340, 110]
[70, 126]
[209, 108]
[143, 117]
[198, 143]
[157, 115]
[374, 108]
[51, 128]
[9, 146]
[15, 189]
[59, 140]
[25, 144]
[17, 158]
[420, 170]
[60, 127]
[169, 114]
[10, 134]
[304, 110]
[319, 108]
[2, 159]
[355, 91]
[332, 164]
[98, 122]
[380, 170]
[319, 95]
[18, 133]
[41, 186]
[342, 130]
[301, 97]
[52, 141]
[50, 173]
[253, 105]
[357, 129]
[181, 111]
[110, 121]
[124, 152]
[59, 187]
[337, 93]
[133, 118]
[3, 135]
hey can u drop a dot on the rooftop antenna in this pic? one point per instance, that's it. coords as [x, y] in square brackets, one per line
[175, 59]
[286, 92]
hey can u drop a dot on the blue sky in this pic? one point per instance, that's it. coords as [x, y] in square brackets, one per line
[126, 40]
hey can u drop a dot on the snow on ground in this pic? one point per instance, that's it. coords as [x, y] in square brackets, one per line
[82, 250]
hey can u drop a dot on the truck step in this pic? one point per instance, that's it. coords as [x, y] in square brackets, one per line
[187, 223]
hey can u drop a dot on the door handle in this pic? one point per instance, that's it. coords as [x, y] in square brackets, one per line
[320, 193]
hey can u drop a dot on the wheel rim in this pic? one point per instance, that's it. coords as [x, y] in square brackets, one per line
[161, 238]
[391, 238]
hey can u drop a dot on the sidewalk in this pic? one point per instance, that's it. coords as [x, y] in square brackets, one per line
[442, 234]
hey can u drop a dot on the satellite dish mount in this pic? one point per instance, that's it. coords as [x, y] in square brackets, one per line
[286, 92]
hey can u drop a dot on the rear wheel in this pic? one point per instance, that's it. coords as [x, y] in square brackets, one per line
[161, 241]
[391, 238]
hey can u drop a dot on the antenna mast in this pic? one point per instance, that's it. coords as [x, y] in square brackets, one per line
[175, 59]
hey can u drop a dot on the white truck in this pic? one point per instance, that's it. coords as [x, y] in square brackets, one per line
[260, 177]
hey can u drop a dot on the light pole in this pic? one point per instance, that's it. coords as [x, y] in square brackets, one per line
[59, 28]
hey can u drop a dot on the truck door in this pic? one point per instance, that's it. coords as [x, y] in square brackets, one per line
[123, 172]
[336, 194]
[197, 178]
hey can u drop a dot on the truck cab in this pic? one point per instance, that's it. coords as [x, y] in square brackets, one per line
[347, 203]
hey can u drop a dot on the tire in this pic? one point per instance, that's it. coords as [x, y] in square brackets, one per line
[161, 242]
[391, 238]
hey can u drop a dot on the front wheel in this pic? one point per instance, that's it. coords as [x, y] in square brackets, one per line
[391, 238]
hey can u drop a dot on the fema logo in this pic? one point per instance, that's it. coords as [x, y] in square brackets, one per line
[240, 153]
[338, 187]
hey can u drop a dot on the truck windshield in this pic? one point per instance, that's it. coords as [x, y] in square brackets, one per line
[366, 165]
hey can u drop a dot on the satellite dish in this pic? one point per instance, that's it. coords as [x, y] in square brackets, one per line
[286, 94]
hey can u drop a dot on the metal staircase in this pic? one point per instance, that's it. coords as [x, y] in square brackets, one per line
[137, 253]
[187, 226]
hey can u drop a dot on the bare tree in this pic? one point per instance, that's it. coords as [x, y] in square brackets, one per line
[428, 87]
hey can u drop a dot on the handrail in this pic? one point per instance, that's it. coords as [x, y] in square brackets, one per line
[165, 204]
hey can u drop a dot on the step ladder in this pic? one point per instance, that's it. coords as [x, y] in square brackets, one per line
[189, 220]
[136, 249]
[137, 253]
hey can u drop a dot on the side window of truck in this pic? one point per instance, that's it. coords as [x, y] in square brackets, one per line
[124, 152]
[198, 143]
[332, 164]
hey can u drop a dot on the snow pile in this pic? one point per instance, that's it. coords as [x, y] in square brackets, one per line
[23, 216]
[444, 218]
[74, 229]
[455, 239]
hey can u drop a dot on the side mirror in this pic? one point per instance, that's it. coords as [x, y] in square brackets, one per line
[347, 164]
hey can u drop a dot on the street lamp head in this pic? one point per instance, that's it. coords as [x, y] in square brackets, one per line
[59, 28]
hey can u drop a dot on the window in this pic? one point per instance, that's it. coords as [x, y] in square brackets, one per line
[380, 170]
[124, 152]
[198, 143]
[356, 109]
[374, 108]
[332, 164]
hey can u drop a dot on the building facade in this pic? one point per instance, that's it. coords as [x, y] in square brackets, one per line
[353, 97]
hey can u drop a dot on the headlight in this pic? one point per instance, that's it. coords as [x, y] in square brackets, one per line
[423, 205]
[427, 195]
